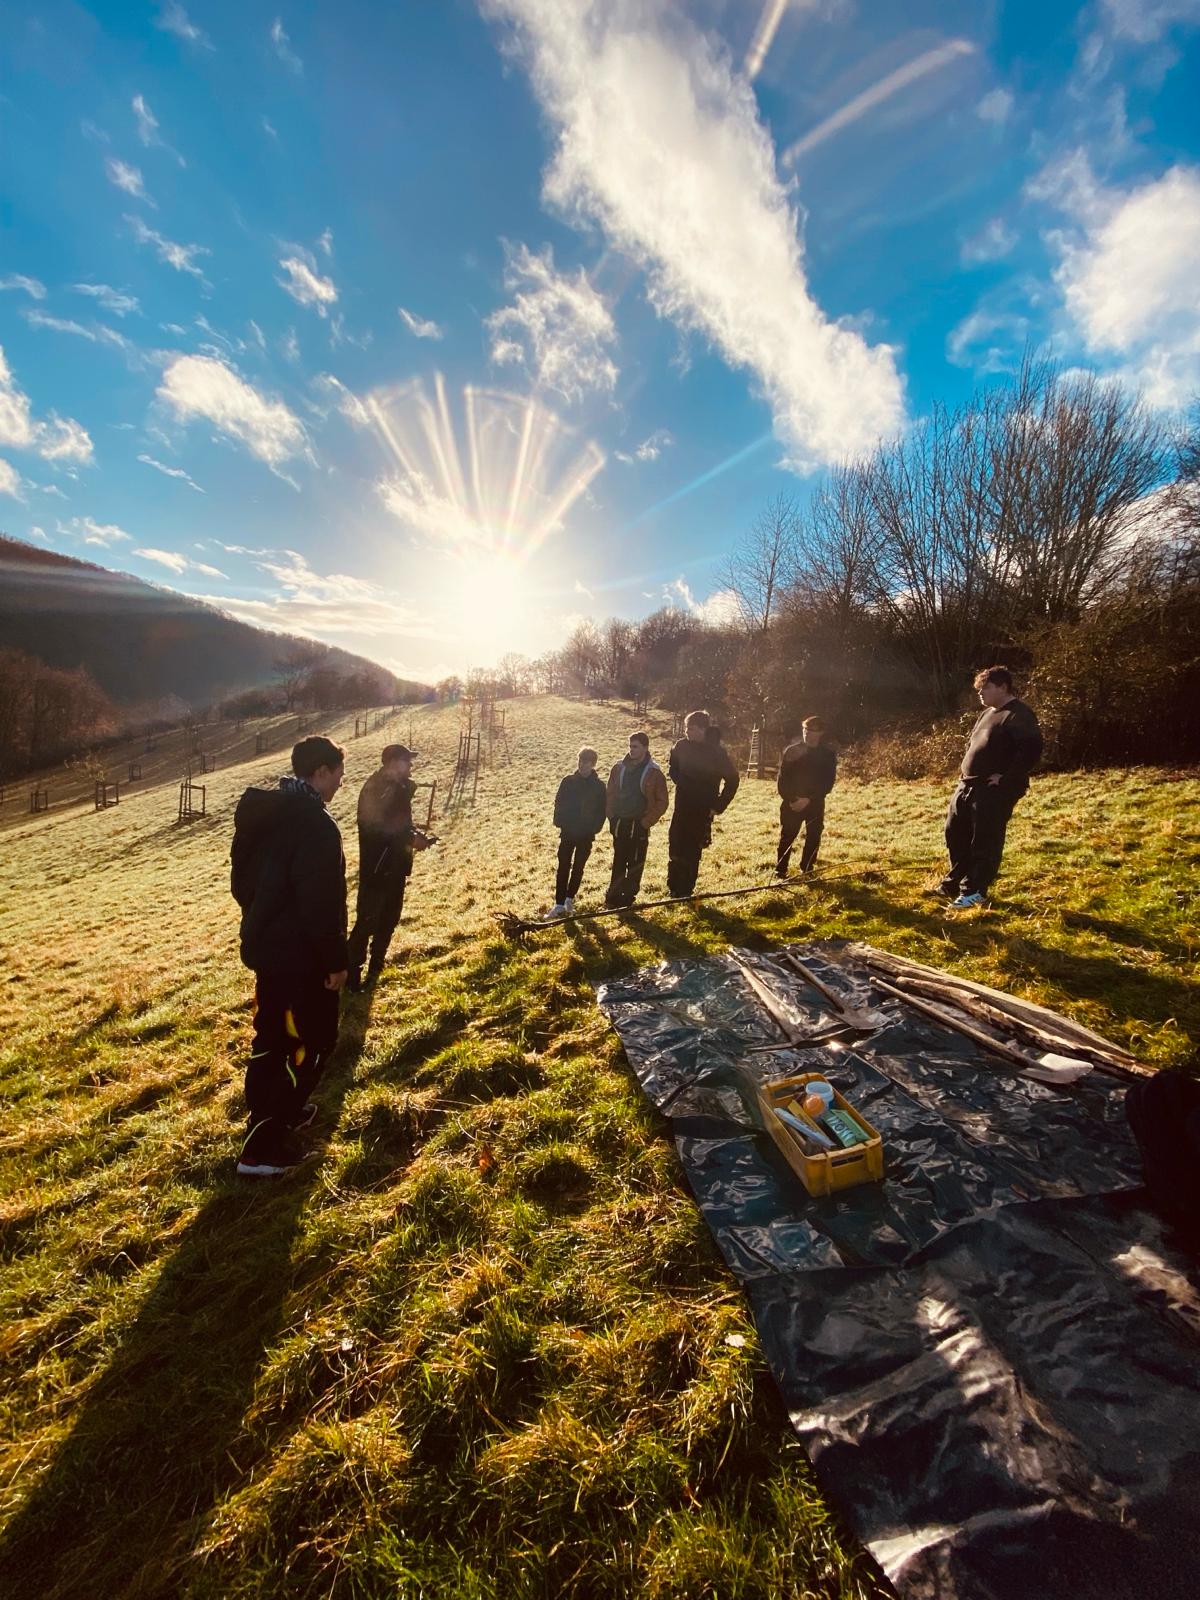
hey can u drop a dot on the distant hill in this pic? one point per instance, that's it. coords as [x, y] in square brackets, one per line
[140, 643]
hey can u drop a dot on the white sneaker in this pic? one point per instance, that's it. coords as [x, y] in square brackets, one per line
[569, 906]
[555, 912]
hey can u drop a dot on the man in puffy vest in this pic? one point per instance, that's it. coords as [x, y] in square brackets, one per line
[706, 781]
[289, 877]
[807, 771]
[1004, 747]
[387, 840]
[579, 810]
[635, 799]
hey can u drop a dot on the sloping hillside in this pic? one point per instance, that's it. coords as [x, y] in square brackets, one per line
[483, 1348]
[139, 642]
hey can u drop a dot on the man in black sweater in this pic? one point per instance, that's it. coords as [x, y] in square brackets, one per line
[387, 841]
[289, 877]
[579, 811]
[706, 781]
[807, 772]
[1004, 747]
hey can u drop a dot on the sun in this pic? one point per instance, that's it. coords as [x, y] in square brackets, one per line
[488, 594]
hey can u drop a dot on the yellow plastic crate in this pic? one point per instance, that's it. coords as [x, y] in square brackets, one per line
[831, 1170]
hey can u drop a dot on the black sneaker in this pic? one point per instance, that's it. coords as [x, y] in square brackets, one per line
[269, 1152]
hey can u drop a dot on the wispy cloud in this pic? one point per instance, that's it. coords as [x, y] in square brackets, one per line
[995, 107]
[35, 289]
[127, 178]
[558, 326]
[109, 299]
[702, 209]
[148, 129]
[171, 472]
[95, 333]
[319, 604]
[282, 47]
[104, 534]
[305, 284]
[911, 72]
[203, 387]
[179, 564]
[990, 243]
[268, 127]
[421, 327]
[180, 256]
[649, 450]
[172, 18]
[54, 438]
[325, 242]
[764, 35]
[10, 480]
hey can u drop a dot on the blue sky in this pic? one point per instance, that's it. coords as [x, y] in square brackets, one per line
[427, 329]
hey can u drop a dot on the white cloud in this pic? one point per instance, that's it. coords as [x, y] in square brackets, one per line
[703, 210]
[54, 439]
[911, 72]
[995, 107]
[325, 242]
[421, 327]
[39, 533]
[318, 604]
[30, 286]
[172, 18]
[1146, 21]
[268, 128]
[127, 178]
[992, 242]
[719, 610]
[171, 472]
[988, 340]
[282, 46]
[97, 333]
[180, 256]
[649, 450]
[10, 480]
[558, 326]
[147, 128]
[1129, 264]
[165, 558]
[305, 284]
[581, 588]
[104, 534]
[289, 347]
[113, 300]
[202, 386]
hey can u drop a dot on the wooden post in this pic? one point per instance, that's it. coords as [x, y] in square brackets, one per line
[135, 771]
[39, 799]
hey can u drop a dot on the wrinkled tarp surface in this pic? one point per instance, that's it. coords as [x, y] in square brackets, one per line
[993, 1357]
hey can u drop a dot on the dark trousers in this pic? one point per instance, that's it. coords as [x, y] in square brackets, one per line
[975, 827]
[572, 858]
[295, 1029]
[630, 842]
[812, 820]
[376, 913]
[1164, 1113]
[689, 837]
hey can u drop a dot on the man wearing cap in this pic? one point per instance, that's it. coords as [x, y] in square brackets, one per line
[387, 841]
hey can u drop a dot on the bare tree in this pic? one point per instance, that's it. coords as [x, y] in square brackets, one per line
[295, 663]
[764, 564]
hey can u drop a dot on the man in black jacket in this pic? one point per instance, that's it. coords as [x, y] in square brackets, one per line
[289, 877]
[579, 812]
[387, 840]
[706, 781]
[1003, 749]
[807, 772]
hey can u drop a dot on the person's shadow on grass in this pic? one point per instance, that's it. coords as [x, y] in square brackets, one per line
[159, 1438]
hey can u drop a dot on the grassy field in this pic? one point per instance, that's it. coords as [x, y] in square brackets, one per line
[483, 1347]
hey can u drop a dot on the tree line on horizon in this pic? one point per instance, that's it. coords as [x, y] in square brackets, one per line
[1051, 524]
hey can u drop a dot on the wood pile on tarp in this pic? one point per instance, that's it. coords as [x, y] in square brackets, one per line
[993, 1356]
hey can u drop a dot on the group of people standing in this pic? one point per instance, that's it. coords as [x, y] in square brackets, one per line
[289, 870]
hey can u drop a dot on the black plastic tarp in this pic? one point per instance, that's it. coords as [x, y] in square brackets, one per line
[992, 1357]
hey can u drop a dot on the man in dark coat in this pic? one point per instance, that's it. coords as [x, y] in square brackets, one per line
[387, 840]
[807, 772]
[706, 781]
[1004, 747]
[579, 811]
[289, 877]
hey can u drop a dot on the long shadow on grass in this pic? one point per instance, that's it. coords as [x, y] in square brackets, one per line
[159, 1437]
